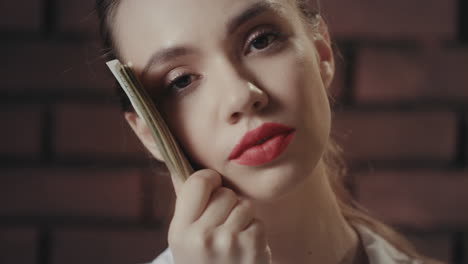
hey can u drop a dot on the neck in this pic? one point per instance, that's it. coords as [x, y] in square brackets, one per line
[310, 227]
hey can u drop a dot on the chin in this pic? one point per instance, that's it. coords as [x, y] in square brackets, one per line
[278, 178]
[268, 185]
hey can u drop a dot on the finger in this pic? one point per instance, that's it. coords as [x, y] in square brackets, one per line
[177, 182]
[194, 195]
[253, 238]
[220, 205]
[240, 217]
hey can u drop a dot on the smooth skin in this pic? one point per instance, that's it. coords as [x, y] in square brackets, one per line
[229, 79]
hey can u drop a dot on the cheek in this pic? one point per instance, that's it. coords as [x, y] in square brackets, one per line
[189, 124]
[293, 79]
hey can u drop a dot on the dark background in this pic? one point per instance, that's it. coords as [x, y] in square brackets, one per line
[76, 187]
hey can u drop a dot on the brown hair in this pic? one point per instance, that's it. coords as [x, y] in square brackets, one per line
[353, 212]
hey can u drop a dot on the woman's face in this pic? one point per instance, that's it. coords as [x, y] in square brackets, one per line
[220, 68]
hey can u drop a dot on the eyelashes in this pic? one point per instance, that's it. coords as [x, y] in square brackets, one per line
[180, 82]
[260, 40]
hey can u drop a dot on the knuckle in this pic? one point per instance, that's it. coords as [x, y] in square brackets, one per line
[255, 240]
[227, 193]
[203, 240]
[246, 206]
[191, 239]
[204, 179]
[226, 241]
[202, 183]
[211, 175]
[256, 229]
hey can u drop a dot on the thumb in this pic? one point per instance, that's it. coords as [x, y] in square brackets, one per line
[177, 182]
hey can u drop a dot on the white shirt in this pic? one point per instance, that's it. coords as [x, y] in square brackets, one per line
[377, 249]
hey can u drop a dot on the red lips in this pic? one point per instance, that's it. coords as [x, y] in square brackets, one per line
[262, 144]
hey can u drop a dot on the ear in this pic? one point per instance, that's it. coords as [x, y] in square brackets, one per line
[141, 130]
[322, 42]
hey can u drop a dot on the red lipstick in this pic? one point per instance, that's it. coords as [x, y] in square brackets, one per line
[262, 144]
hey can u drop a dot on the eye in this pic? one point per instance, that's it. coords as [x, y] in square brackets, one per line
[261, 40]
[181, 82]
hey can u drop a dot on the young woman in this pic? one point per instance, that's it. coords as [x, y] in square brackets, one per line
[243, 85]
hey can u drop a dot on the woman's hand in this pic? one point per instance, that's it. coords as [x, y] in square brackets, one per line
[212, 225]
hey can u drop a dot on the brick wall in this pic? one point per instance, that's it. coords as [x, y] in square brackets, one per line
[75, 185]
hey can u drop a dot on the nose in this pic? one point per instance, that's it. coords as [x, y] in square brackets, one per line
[244, 100]
[238, 96]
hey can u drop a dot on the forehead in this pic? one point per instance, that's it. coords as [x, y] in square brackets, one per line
[150, 24]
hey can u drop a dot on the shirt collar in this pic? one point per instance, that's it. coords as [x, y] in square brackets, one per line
[379, 250]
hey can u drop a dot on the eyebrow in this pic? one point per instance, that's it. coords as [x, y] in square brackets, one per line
[247, 14]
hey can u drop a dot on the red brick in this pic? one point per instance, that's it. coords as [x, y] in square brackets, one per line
[18, 245]
[163, 199]
[397, 135]
[71, 193]
[391, 75]
[52, 66]
[94, 130]
[437, 246]
[21, 131]
[391, 19]
[77, 17]
[420, 199]
[107, 246]
[21, 15]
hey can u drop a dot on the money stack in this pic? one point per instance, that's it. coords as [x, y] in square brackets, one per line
[174, 158]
